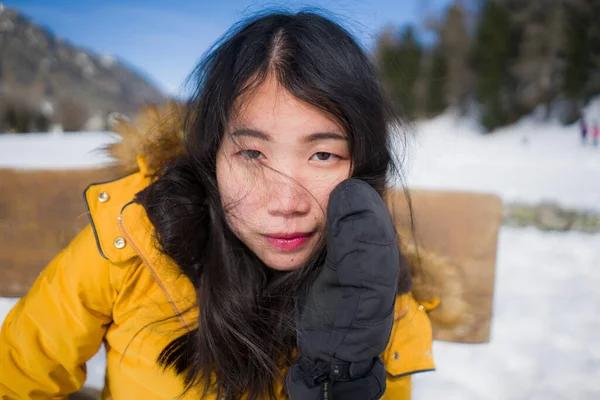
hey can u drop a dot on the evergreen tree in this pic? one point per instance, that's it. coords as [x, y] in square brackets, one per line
[537, 68]
[456, 43]
[400, 62]
[595, 46]
[578, 56]
[577, 59]
[492, 53]
[436, 86]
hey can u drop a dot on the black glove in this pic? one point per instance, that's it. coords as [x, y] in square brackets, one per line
[344, 316]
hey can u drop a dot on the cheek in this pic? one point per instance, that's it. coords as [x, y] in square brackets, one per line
[239, 190]
[322, 187]
[232, 181]
[230, 184]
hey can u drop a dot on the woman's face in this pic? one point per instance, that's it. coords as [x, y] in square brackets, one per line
[277, 164]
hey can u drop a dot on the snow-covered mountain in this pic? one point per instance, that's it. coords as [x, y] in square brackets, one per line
[43, 75]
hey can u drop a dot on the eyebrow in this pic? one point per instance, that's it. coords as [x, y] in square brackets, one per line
[314, 137]
[325, 136]
[251, 133]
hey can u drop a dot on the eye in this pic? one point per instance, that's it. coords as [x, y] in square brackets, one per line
[252, 154]
[323, 156]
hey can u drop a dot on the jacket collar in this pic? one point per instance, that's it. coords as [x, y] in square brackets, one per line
[124, 232]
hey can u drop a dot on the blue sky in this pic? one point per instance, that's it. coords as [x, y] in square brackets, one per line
[165, 39]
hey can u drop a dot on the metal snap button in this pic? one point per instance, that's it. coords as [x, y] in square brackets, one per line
[119, 243]
[103, 197]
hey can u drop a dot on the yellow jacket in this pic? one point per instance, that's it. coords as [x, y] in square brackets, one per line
[112, 286]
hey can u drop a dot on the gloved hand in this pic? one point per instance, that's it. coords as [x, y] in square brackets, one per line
[344, 316]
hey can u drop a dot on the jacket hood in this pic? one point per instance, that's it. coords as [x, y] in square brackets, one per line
[155, 137]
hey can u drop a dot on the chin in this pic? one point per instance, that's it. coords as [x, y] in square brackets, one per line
[285, 262]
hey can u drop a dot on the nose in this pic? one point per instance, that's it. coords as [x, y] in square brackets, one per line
[288, 198]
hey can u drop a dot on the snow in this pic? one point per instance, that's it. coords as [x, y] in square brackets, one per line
[530, 161]
[54, 151]
[544, 331]
[545, 325]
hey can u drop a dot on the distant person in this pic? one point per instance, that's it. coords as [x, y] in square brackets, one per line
[255, 249]
[596, 134]
[583, 128]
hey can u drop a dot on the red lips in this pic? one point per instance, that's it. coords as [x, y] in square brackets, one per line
[288, 241]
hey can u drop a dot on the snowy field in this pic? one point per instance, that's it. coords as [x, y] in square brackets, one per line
[544, 343]
[546, 324]
[529, 162]
[54, 151]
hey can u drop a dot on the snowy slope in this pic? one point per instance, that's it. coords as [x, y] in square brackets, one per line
[529, 161]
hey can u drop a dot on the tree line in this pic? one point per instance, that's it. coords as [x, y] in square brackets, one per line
[502, 58]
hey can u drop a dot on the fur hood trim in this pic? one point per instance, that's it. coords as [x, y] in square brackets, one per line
[150, 141]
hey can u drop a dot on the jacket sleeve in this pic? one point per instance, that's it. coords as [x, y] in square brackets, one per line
[51, 332]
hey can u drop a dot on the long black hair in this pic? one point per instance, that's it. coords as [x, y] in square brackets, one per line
[245, 331]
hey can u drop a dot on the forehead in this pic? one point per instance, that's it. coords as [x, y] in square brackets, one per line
[270, 108]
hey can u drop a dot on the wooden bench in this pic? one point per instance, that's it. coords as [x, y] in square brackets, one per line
[41, 211]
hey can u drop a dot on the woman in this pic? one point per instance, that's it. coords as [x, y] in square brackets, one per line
[191, 266]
